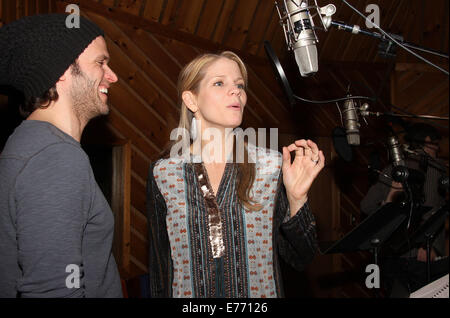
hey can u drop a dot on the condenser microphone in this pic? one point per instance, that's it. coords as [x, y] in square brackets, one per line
[351, 122]
[400, 173]
[395, 152]
[304, 43]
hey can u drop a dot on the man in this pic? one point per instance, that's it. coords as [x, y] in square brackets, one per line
[423, 147]
[56, 227]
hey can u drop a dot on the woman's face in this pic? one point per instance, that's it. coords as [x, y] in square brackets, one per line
[221, 96]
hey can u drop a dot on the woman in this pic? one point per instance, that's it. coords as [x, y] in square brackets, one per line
[216, 227]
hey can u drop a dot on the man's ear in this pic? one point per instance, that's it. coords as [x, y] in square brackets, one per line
[189, 100]
[63, 80]
[66, 74]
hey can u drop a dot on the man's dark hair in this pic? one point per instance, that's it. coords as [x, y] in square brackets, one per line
[418, 132]
[38, 102]
[44, 101]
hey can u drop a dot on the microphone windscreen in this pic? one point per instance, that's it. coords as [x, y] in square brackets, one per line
[306, 58]
[353, 138]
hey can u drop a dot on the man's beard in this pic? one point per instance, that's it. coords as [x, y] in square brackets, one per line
[86, 101]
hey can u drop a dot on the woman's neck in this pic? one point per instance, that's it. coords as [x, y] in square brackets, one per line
[216, 147]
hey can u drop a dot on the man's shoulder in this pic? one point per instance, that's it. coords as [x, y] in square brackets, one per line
[42, 152]
[33, 138]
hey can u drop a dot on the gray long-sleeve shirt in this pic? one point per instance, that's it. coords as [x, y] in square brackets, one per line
[54, 219]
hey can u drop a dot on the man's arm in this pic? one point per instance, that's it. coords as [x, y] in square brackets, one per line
[52, 198]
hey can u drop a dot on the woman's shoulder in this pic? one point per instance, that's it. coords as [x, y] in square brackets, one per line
[165, 164]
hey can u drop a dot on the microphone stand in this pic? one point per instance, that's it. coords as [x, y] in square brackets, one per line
[355, 29]
[400, 174]
[429, 238]
[378, 114]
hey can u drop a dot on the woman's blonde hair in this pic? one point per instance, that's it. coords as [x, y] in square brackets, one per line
[189, 80]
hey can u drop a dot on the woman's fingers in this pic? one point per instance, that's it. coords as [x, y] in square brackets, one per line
[314, 148]
[321, 163]
[286, 157]
[305, 148]
[309, 148]
[293, 147]
[299, 151]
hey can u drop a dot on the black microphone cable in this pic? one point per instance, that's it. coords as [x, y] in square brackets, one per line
[332, 100]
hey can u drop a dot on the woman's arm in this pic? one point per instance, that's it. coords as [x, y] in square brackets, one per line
[160, 262]
[296, 237]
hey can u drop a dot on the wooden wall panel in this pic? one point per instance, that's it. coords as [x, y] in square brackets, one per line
[134, 109]
[148, 56]
[139, 222]
[140, 163]
[271, 105]
[181, 52]
[158, 65]
[422, 90]
[129, 131]
[138, 196]
[139, 252]
[140, 83]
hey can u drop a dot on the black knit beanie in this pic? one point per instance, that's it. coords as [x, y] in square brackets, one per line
[35, 51]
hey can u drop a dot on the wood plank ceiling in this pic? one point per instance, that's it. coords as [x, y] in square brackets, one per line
[242, 26]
